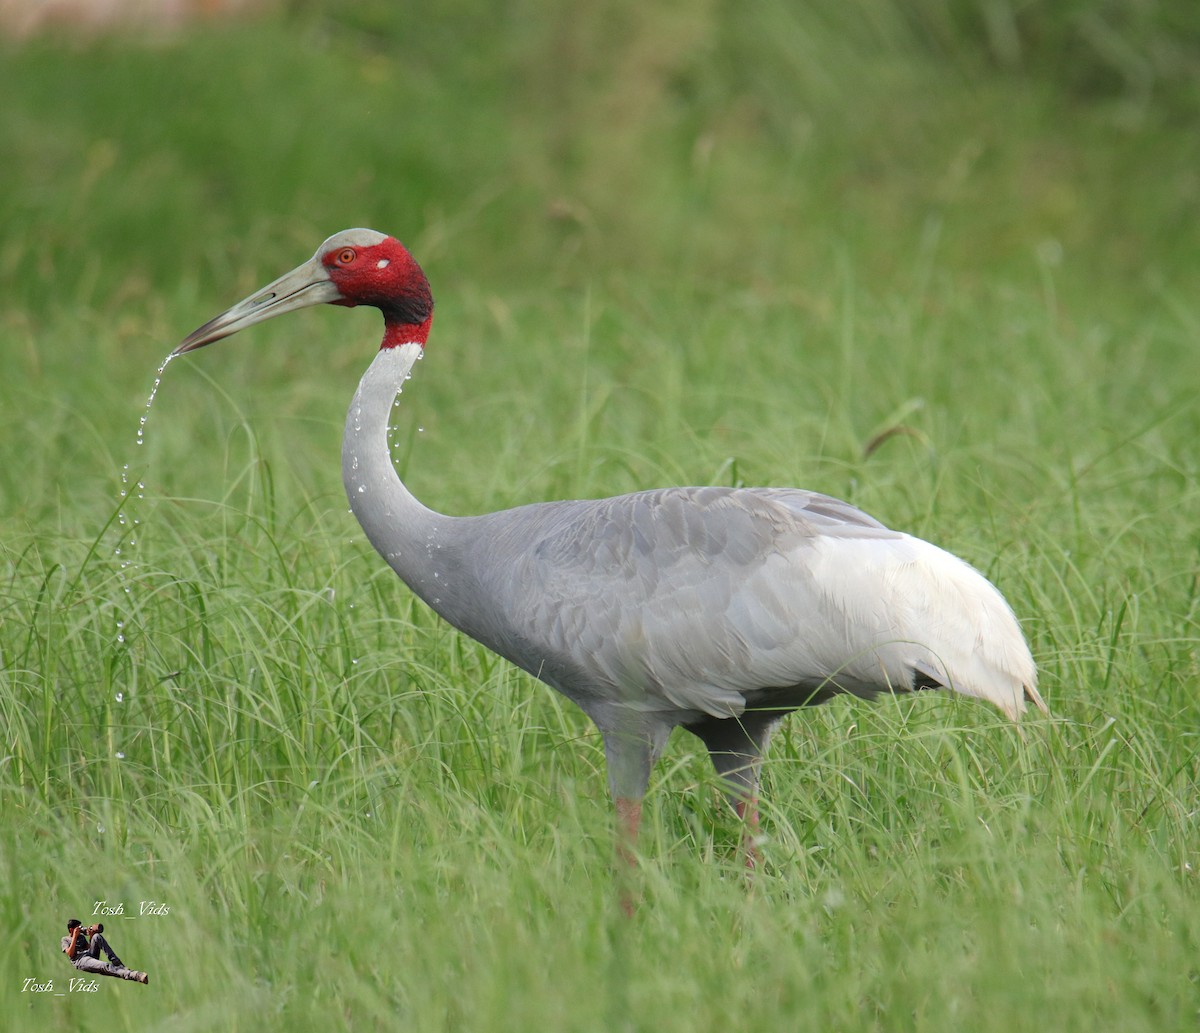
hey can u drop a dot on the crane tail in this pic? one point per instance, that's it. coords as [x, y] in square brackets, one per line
[973, 643]
[1007, 693]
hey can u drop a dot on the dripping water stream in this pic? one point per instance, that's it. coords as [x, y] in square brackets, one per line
[132, 494]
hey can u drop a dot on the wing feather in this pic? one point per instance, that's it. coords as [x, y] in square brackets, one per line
[692, 598]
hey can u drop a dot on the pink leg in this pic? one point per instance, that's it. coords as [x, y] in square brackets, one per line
[629, 817]
[747, 810]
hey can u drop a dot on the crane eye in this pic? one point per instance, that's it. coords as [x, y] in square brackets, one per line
[346, 256]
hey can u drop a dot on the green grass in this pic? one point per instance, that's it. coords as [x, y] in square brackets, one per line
[668, 247]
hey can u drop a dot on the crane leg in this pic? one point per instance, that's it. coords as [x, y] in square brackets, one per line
[630, 755]
[736, 746]
[629, 818]
[747, 811]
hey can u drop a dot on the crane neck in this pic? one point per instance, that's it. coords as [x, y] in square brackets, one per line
[409, 536]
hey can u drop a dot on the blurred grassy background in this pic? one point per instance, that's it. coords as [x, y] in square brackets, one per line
[670, 243]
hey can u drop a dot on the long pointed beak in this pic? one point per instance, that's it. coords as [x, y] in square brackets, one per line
[305, 285]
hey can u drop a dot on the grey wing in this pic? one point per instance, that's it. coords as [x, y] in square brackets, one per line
[681, 599]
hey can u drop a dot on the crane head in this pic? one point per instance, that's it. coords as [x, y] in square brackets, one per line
[354, 267]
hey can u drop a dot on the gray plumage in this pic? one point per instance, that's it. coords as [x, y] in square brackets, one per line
[717, 609]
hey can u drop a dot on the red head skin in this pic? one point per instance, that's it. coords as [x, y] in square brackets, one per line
[387, 277]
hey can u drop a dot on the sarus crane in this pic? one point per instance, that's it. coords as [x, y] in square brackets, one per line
[718, 609]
